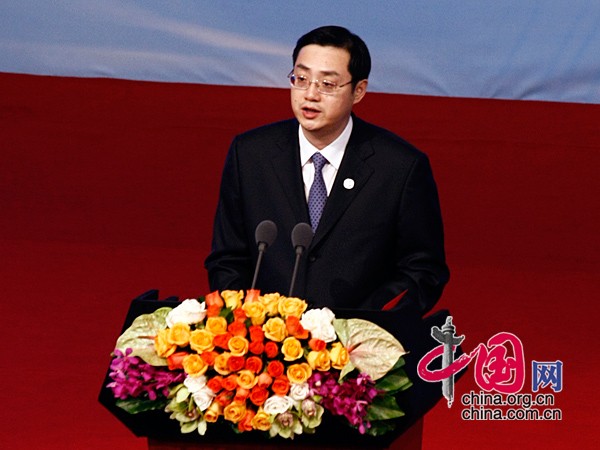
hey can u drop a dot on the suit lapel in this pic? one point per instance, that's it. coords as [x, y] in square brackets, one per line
[349, 181]
[287, 170]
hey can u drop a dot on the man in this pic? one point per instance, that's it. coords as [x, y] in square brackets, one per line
[380, 233]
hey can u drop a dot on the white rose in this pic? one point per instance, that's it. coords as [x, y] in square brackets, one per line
[319, 322]
[278, 404]
[203, 398]
[195, 384]
[299, 391]
[190, 311]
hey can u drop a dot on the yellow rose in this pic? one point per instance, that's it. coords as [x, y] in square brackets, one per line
[299, 373]
[234, 412]
[256, 311]
[246, 379]
[162, 345]
[202, 341]
[233, 299]
[216, 325]
[275, 329]
[238, 345]
[221, 366]
[179, 334]
[214, 411]
[339, 356]
[261, 421]
[271, 303]
[319, 360]
[292, 306]
[194, 365]
[292, 349]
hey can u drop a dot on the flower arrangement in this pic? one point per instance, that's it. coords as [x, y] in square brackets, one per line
[261, 362]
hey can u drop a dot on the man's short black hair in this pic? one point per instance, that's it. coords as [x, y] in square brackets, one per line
[335, 36]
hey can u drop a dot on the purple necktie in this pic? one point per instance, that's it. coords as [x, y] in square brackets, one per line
[318, 192]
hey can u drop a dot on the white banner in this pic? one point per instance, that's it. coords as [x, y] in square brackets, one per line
[512, 49]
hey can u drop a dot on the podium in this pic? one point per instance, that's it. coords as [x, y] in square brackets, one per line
[408, 327]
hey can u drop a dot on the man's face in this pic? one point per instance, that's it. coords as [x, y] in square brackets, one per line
[324, 117]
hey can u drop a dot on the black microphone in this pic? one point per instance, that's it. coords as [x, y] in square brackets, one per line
[302, 236]
[265, 234]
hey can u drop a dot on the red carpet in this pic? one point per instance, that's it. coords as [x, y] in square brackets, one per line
[107, 189]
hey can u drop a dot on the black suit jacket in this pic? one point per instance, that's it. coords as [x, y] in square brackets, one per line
[375, 240]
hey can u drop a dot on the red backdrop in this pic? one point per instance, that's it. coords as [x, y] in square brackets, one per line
[107, 189]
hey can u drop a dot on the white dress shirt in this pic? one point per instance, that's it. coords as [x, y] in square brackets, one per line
[334, 153]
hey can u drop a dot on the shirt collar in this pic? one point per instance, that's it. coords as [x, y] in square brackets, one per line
[334, 152]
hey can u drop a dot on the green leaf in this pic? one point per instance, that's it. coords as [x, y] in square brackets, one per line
[189, 426]
[182, 395]
[202, 426]
[372, 349]
[140, 336]
[138, 405]
[393, 382]
[346, 370]
[381, 427]
[384, 408]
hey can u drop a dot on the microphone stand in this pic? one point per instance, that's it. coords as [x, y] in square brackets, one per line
[261, 251]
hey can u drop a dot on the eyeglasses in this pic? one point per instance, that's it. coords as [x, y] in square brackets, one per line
[324, 87]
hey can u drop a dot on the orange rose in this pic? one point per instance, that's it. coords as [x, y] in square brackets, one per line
[281, 385]
[234, 412]
[202, 341]
[275, 329]
[233, 299]
[271, 350]
[294, 328]
[271, 303]
[175, 361]
[256, 348]
[241, 395]
[222, 341]
[317, 344]
[222, 364]
[292, 306]
[319, 360]
[246, 379]
[194, 365]
[239, 315]
[256, 312]
[209, 357]
[213, 311]
[299, 373]
[216, 325]
[214, 411]
[179, 334]
[215, 384]
[162, 346]
[238, 346]
[339, 356]
[292, 349]
[252, 295]
[235, 363]
[229, 383]
[224, 398]
[258, 395]
[254, 364]
[275, 368]
[246, 423]
[256, 333]
[261, 421]
[214, 299]
[264, 380]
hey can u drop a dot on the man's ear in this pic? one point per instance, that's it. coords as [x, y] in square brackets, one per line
[360, 90]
